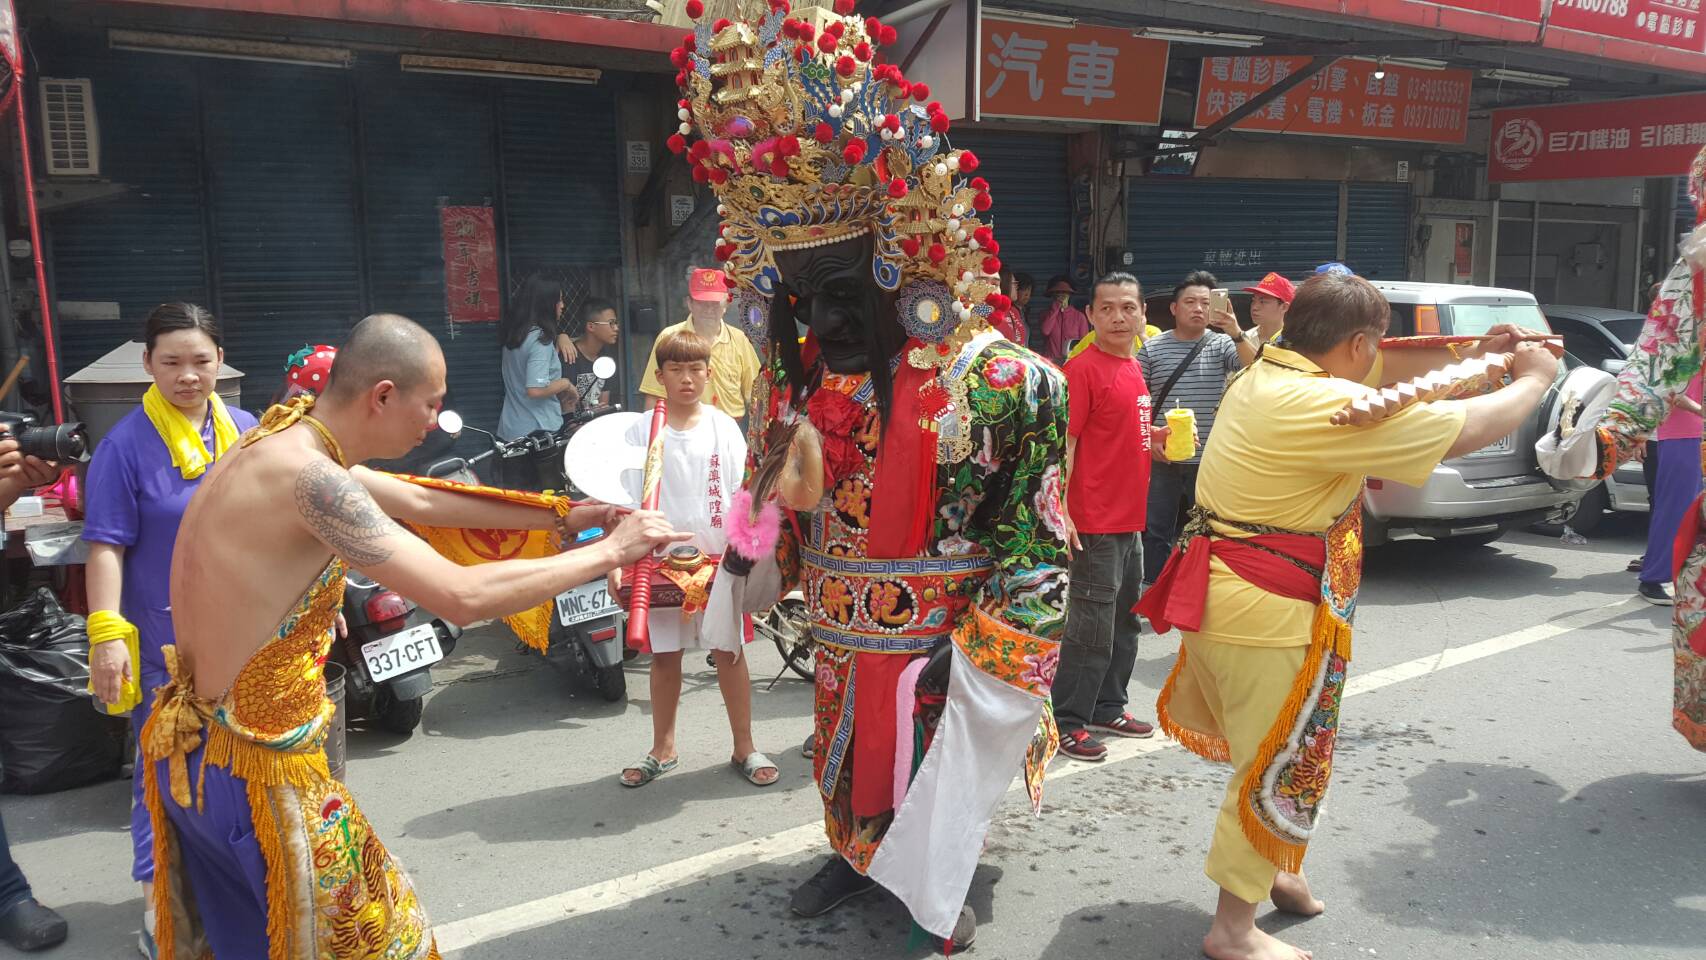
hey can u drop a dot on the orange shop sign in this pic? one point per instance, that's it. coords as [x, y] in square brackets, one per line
[1344, 100]
[1069, 72]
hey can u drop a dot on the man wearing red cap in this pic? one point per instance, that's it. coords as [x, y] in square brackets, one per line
[734, 364]
[1269, 301]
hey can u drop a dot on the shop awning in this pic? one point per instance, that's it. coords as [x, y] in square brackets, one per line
[475, 19]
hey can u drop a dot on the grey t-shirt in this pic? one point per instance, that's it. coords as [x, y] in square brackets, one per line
[1201, 386]
[533, 364]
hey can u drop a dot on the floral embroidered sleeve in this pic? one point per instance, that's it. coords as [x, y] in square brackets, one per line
[1666, 357]
[1007, 496]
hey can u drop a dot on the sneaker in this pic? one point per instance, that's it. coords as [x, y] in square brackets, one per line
[1079, 745]
[965, 931]
[145, 946]
[30, 926]
[1636, 564]
[835, 883]
[1126, 725]
[1655, 594]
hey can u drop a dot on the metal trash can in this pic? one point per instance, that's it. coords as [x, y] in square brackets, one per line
[335, 733]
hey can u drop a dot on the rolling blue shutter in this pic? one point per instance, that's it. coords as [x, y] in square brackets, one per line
[1377, 229]
[560, 179]
[1032, 202]
[283, 182]
[146, 247]
[426, 137]
[1236, 229]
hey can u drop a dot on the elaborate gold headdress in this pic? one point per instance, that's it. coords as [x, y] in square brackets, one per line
[808, 139]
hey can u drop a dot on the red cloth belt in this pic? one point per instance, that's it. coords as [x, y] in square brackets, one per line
[1181, 592]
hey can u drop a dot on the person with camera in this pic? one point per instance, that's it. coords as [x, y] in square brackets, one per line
[138, 485]
[24, 923]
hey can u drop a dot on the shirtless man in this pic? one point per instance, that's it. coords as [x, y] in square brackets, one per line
[255, 588]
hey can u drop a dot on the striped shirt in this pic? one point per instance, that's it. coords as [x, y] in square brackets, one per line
[1200, 387]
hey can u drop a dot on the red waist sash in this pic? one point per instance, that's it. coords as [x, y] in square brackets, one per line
[1181, 592]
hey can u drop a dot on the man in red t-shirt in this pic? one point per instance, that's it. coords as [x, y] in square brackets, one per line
[1108, 416]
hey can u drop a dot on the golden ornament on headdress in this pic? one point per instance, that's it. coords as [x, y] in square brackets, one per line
[807, 141]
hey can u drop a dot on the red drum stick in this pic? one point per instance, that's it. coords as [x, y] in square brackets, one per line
[640, 594]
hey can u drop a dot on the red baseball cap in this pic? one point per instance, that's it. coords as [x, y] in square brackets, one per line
[708, 285]
[1275, 286]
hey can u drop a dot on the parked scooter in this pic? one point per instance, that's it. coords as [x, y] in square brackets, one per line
[389, 652]
[586, 633]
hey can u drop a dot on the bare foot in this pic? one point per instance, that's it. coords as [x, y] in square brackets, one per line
[1291, 894]
[1251, 944]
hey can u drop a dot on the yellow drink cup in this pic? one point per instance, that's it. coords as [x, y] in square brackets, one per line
[1182, 442]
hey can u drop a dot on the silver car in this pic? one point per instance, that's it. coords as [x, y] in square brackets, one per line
[1478, 497]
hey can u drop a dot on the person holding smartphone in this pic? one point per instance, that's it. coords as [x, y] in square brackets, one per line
[1187, 366]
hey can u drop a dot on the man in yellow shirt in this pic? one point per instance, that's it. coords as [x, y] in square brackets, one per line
[1264, 591]
[734, 364]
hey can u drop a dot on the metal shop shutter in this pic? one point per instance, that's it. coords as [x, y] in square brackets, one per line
[560, 177]
[427, 137]
[1237, 229]
[1377, 229]
[1032, 208]
[144, 247]
[280, 151]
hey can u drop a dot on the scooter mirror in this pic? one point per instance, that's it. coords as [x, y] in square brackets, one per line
[450, 422]
[604, 368]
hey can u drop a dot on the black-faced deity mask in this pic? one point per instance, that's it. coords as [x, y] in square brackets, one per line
[832, 292]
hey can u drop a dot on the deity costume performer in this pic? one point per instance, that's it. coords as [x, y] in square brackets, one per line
[1612, 428]
[933, 560]
[254, 841]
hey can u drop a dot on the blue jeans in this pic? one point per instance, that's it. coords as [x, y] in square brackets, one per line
[14, 889]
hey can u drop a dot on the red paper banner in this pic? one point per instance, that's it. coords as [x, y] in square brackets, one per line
[1070, 72]
[1668, 23]
[470, 264]
[1344, 100]
[1643, 137]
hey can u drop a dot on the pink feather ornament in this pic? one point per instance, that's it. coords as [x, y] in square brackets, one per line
[753, 535]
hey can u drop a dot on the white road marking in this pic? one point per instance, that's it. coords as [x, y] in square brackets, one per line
[624, 890]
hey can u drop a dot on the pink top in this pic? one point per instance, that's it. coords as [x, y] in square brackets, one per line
[1682, 425]
[1061, 326]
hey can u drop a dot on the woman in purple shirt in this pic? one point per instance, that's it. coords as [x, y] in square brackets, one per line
[141, 480]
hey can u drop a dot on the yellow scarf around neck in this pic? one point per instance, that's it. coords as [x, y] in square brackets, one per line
[189, 453]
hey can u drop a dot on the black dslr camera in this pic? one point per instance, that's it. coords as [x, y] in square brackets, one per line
[62, 443]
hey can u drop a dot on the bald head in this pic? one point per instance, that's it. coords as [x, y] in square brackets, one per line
[385, 346]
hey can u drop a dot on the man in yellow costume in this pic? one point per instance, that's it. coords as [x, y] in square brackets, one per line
[258, 851]
[1265, 587]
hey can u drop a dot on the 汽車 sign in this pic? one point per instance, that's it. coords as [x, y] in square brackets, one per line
[1069, 72]
[1346, 99]
[1641, 137]
[470, 264]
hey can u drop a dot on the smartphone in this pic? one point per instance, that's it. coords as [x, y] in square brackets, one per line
[1219, 300]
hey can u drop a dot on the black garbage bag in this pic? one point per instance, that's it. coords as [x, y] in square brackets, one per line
[51, 737]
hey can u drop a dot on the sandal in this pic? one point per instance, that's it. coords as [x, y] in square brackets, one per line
[750, 767]
[649, 769]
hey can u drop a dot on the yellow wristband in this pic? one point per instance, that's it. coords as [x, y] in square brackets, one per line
[105, 626]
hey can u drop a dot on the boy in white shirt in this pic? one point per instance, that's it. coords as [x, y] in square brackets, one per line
[704, 459]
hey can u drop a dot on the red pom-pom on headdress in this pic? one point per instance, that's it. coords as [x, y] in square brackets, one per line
[897, 188]
[844, 7]
[824, 133]
[846, 65]
[968, 161]
[676, 143]
[695, 9]
[826, 42]
[854, 152]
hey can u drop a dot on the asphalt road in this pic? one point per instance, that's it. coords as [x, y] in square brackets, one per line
[1507, 787]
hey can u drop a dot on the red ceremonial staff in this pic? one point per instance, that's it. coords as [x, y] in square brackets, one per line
[640, 595]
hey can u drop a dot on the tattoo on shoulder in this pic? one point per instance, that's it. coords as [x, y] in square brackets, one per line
[343, 513]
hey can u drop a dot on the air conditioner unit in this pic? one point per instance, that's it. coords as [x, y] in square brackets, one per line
[71, 137]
